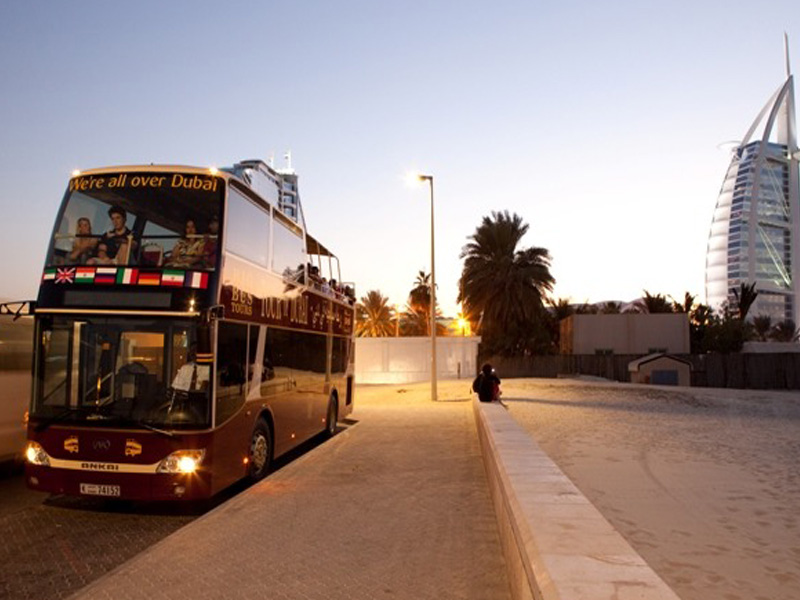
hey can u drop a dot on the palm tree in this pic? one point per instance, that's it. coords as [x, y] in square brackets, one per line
[561, 308]
[611, 308]
[505, 287]
[374, 316]
[685, 306]
[785, 331]
[745, 297]
[419, 301]
[417, 321]
[762, 324]
[421, 292]
[652, 304]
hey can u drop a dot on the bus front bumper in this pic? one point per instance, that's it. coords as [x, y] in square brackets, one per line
[124, 486]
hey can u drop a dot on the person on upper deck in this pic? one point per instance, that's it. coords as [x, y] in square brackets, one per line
[84, 245]
[119, 239]
[188, 251]
[210, 244]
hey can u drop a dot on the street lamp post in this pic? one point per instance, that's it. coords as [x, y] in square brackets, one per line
[434, 397]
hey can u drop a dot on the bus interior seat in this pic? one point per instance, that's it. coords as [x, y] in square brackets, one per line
[152, 255]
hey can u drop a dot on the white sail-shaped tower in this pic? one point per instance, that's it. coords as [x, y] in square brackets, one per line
[755, 232]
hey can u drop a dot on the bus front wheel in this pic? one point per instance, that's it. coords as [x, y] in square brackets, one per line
[260, 451]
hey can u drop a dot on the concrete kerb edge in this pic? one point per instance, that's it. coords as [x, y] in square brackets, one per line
[235, 500]
[526, 487]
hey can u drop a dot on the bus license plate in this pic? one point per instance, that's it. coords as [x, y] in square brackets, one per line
[94, 489]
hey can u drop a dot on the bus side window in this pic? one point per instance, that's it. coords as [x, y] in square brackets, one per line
[231, 376]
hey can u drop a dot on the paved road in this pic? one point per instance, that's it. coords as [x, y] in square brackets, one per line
[396, 507]
[704, 484]
[52, 546]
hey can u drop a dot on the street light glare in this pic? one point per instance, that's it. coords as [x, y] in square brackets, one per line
[413, 178]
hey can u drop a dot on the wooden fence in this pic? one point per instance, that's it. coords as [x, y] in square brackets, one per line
[742, 371]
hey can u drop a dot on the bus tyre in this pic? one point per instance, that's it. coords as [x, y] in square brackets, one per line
[260, 451]
[332, 418]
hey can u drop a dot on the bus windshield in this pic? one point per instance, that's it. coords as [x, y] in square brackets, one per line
[118, 372]
[140, 219]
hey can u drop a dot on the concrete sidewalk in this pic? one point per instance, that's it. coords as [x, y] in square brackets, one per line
[396, 506]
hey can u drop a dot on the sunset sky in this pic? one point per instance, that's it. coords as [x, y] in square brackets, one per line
[602, 124]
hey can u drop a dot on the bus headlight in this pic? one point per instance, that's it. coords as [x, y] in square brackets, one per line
[36, 454]
[181, 461]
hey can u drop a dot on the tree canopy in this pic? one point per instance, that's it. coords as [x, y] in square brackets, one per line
[503, 287]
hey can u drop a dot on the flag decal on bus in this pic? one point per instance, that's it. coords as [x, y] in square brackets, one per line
[84, 275]
[105, 275]
[196, 280]
[150, 278]
[65, 275]
[127, 276]
[172, 278]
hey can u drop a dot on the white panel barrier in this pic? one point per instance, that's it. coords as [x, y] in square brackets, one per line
[408, 359]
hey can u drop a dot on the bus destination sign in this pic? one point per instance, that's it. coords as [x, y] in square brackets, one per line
[186, 181]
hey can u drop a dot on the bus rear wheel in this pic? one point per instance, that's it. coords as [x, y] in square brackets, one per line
[260, 452]
[332, 418]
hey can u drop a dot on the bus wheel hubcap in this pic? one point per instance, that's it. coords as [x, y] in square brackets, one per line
[259, 451]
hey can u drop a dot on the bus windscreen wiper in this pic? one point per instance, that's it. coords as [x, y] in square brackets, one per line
[131, 421]
[70, 410]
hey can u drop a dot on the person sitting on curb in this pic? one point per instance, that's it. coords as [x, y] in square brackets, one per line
[487, 385]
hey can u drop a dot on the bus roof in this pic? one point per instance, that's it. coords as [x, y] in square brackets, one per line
[313, 246]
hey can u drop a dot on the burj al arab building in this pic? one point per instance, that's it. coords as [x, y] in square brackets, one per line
[755, 232]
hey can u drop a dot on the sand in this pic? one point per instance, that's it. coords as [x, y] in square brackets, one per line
[703, 483]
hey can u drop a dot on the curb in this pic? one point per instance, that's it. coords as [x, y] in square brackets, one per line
[557, 545]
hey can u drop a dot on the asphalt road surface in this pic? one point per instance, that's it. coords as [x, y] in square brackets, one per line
[52, 546]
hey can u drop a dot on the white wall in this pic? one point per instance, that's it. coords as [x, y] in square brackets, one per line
[408, 359]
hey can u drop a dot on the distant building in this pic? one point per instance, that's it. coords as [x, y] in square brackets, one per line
[755, 231]
[661, 369]
[625, 334]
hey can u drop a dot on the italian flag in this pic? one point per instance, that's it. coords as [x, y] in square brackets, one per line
[172, 278]
[127, 276]
[84, 275]
[196, 280]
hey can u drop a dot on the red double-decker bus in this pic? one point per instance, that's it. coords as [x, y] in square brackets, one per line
[187, 331]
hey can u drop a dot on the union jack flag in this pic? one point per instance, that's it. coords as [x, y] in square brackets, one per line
[65, 275]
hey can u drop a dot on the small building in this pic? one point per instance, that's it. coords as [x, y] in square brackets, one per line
[661, 369]
[632, 333]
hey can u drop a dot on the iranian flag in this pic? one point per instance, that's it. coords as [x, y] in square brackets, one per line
[172, 278]
[49, 275]
[127, 276]
[84, 275]
[196, 280]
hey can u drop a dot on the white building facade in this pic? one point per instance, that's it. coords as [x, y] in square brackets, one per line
[755, 231]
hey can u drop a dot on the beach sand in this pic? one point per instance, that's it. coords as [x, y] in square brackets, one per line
[703, 483]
